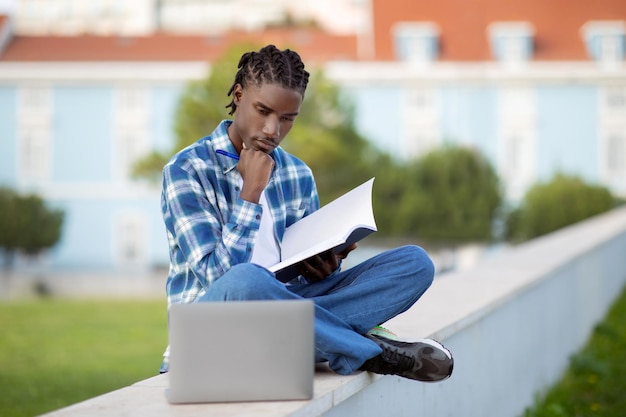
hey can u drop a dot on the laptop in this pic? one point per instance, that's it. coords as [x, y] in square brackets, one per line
[241, 351]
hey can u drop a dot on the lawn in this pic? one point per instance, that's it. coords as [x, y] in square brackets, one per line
[595, 383]
[58, 352]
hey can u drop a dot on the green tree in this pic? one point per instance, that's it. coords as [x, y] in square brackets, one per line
[203, 103]
[26, 224]
[549, 206]
[325, 137]
[450, 195]
[201, 107]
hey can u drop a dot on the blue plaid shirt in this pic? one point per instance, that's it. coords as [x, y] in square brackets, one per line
[209, 227]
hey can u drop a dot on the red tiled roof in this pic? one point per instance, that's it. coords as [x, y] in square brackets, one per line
[462, 34]
[463, 24]
[314, 46]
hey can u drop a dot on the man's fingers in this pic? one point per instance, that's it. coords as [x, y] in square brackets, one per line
[309, 271]
[318, 267]
[344, 253]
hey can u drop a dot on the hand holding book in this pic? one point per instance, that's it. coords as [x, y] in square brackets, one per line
[318, 267]
[336, 226]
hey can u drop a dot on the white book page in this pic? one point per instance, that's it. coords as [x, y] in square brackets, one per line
[329, 226]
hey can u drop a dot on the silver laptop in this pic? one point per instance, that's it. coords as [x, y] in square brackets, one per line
[241, 351]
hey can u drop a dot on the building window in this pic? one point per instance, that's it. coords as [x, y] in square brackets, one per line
[130, 129]
[516, 140]
[613, 137]
[605, 41]
[420, 122]
[516, 146]
[616, 155]
[419, 143]
[34, 153]
[34, 100]
[610, 49]
[614, 159]
[131, 105]
[511, 42]
[416, 42]
[34, 126]
[517, 161]
[130, 239]
[615, 100]
[34, 105]
[130, 146]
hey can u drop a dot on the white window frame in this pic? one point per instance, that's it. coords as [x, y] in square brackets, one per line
[517, 148]
[34, 153]
[130, 239]
[34, 127]
[420, 39]
[34, 105]
[616, 155]
[130, 144]
[602, 39]
[513, 50]
[613, 103]
[420, 122]
[612, 126]
[130, 106]
[511, 42]
[131, 128]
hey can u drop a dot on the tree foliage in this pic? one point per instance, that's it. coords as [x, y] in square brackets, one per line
[201, 107]
[26, 224]
[325, 137]
[549, 206]
[448, 196]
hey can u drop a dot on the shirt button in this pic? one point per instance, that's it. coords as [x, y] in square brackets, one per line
[258, 217]
[236, 188]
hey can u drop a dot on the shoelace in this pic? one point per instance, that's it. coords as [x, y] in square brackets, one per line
[395, 361]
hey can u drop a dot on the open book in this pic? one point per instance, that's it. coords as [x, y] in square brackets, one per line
[337, 225]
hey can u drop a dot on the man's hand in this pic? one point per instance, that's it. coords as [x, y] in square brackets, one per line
[255, 168]
[318, 267]
[344, 253]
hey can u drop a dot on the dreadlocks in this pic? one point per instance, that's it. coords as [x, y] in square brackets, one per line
[273, 66]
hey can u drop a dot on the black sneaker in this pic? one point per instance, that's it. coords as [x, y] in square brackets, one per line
[423, 360]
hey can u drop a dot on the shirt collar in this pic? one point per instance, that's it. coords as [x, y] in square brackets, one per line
[221, 140]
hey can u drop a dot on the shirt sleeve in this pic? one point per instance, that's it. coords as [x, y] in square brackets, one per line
[201, 240]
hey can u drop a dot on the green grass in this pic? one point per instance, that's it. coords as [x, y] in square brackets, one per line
[595, 383]
[58, 352]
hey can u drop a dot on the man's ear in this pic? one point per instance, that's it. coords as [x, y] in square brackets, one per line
[237, 93]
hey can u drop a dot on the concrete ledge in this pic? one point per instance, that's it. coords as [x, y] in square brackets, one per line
[511, 322]
[147, 398]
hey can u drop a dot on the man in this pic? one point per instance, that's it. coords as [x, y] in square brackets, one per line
[226, 202]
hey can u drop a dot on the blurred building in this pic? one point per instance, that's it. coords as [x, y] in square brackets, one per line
[143, 17]
[537, 86]
[87, 87]
[76, 111]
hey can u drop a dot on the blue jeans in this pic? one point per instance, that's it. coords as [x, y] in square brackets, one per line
[347, 303]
